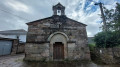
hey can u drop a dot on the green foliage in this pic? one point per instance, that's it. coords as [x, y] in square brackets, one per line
[107, 39]
[91, 46]
[113, 18]
[111, 38]
[117, 18]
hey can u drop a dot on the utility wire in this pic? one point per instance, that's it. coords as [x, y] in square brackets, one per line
[7, 11]
[14, 14]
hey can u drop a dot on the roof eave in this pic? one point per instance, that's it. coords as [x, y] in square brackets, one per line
[77, 21]
[38, 20]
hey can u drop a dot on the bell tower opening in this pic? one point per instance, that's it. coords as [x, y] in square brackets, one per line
[59, 12]
[58, 9]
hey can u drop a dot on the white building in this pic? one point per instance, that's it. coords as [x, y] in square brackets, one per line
[14, 34]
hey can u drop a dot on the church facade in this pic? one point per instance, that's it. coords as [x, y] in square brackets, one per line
[56, 38]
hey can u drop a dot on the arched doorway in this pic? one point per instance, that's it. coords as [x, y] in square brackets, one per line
[58, 46]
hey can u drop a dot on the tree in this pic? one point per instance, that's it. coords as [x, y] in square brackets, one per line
[111, 38]
[109, 18]
[117, 18]
[113, 18]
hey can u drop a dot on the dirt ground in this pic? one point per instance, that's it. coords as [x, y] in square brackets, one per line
[12, 61]
[17, 61]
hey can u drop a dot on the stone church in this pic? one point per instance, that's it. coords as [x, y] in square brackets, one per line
[56, 38]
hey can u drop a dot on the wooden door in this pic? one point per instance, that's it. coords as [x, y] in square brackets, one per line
[58, 51]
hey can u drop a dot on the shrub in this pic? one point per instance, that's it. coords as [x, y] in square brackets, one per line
[107, 39]
[91, 46]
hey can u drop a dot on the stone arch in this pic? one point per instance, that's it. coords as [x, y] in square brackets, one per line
[49, 38]
[58, 37]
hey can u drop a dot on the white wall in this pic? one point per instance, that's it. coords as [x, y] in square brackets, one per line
[21, 37]
[11, 36]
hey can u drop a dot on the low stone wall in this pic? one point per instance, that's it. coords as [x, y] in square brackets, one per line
[14, 47]
[76, 52]
[108, 55]
[21, 48]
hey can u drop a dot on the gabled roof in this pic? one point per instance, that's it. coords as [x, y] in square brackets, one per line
[52, 18]
[58, 5]
[77, 21]
[2, 38]
[14, 32]
[38, 20]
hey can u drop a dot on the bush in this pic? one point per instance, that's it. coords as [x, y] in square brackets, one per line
[107, 39]
[91, 46]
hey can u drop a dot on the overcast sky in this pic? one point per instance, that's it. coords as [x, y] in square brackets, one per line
[15, 13]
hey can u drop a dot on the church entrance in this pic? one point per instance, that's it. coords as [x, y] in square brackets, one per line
[58, 51]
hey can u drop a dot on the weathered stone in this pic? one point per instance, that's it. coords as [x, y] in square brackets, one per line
[14, 47]
[21, 48]
[108, 55]
[43, 34]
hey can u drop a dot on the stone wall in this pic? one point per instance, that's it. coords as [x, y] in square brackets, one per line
[21, 48]
[40, 31]
[38, 52]
[14, 47]
[108, 55]
[71, 50]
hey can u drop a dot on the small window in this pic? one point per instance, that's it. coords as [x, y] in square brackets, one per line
[58, 12]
